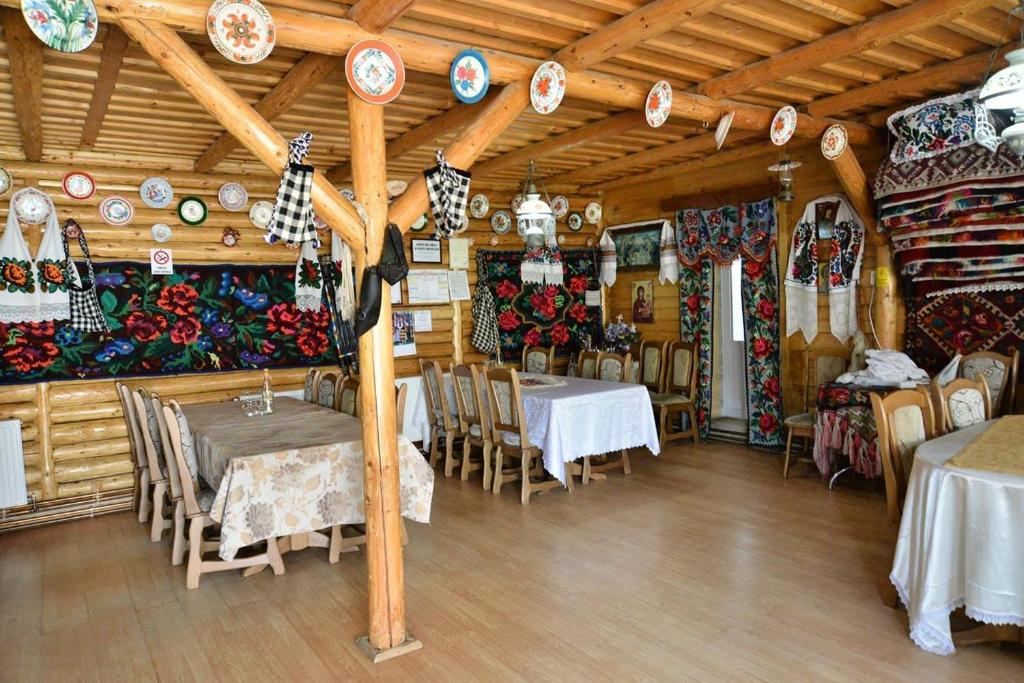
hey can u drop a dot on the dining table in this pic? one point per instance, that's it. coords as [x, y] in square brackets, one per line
[291, 473]
[961, 537]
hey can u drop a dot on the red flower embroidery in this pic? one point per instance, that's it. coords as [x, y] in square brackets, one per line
[762, 347]
[765, 309]
[185, 331]
[835, 279]
[283, 318]
[771, 387]
[578, 284]
[532, 338]
[692, 303]
[311, 343]
[43, 330]
[145, 328]
[840, 396]
[26, 357]
[507, 290]
[559, 334]
[753, 268]
[508, 320]
[768, 423]
[577, 312]
[179, 299]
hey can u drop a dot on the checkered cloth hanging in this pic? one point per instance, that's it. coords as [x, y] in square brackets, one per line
[86, 315]
[292, 220]
[485, 321]
[448, 189]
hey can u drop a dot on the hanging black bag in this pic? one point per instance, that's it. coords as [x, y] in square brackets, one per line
[369, 300]
[86, 313]
[393, 266]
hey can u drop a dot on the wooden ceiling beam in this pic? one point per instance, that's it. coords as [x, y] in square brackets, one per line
[377, 15]
[115, 44]
[872, 34]
[628, 31]
[25, 53]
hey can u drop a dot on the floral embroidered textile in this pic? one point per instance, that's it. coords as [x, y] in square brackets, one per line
[929, 129]
[726, 232]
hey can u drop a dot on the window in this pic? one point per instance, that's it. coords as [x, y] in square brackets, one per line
[737, 300]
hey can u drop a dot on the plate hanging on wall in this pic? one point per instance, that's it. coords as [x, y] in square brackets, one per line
[156, 193]
[32, 206]
[659, 104]
[783, 125]
[78, 185]
[592, 213]
[396, 188]
[559, 205]
[260, 213]
[5, 180]
[501, 222]
[470, 76]
[420, 223]
[547, 87]
[242, 31]
[117, 210]
[575, 221]
[375, 71]
[161, 232]
[232, 196]
[479, 205]
[64, 28]
[833, 142]
[192, 210]
[516, 202]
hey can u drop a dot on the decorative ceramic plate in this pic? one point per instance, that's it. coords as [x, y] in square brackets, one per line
[420, 223]
[156, 193]
[361, 210]
[516, 202]
[722, 129]
[833, 142]
[161, 232]
[117, 210]
[349, 194]
[5, 180]
[78, 185]
[192, 210]
[375, 71]
[592, 213]
[783, 125]
[31, 205]
[319, 224]
[229, 237]
[575, 221]
[241, 30]
[232, 196]
[396, 188]
[470, 76]
[479, 205]
[659, 104]
[559, 205]
[62, 25]
[547, 87]
[260, 213]
[463, 225]
[501, 222]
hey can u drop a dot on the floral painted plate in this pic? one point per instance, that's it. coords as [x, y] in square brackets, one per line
[783, 125]
[192, 211]
[559, 205]
[232, 196]
[32, 206]
[396, 188]
[161, 232]
[516, 202]
[5, 180]
[592, 213]
[479, 205]
[241, 30]
[547, 87]
[375, 71]
[117, 210]
[833, 142]
[78, 185]
[575, 221]
[501, 222]
[156, 193]
[319, 224]
[420, 223]
[348, 193]
[659, 104]
[470, 76]
[229, 237]
[260, 214]
[62, 25]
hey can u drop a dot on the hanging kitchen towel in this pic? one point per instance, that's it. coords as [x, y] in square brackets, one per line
[84, 303]
[344, 279]
[52, 274]
[292, 219]
[485, 321]
[448, 189]
[19, 299]
[609, 260]
[669, 270]
[309, 281]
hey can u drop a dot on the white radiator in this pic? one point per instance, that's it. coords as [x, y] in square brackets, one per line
[12, 465]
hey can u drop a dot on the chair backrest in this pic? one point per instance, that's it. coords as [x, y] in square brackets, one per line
[347, 397]
[326, 389]
[505, 401]
[905, 420]
[822, 367]
[401, 393]
[165, 446]
[681, 372]
[614, 368]
[147, 428]
[135, 445]
[1000, 374]
[175, 420]
[470, 399]
[652, 364]
[586, 364]
[310, 385]
[538, 359]
[960, 404]
[438, 410]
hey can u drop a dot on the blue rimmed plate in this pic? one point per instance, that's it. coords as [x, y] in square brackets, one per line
[470, 76]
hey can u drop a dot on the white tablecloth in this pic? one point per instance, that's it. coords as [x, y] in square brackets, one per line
[961, 543]
[588, 417]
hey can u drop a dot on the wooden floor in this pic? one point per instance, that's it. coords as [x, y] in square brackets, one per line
[703, 565]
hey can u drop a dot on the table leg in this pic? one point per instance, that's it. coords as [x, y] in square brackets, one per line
[286, 544]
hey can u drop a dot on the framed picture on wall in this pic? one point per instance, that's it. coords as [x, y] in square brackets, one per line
[643, 301]
[426, 251]
[638, 245]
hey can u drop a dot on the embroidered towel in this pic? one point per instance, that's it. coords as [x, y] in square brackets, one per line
[609, 260]
[52, 273]
[669, 269]
[19, 299]
[308, 279]
[344, 281]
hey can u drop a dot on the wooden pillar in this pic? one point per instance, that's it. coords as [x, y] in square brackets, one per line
[387, 636]
[46, 465]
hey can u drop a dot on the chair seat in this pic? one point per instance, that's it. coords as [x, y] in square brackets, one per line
[668, 399]
[510, 438]
[205, 498]
[474, 430]
[801, 420]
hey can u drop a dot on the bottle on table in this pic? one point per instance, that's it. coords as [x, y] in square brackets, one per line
[268, 392]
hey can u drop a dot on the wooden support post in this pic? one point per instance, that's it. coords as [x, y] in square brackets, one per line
[25, 53]
[387, 637]
[115, 44]
[46, 467]
[180, 61]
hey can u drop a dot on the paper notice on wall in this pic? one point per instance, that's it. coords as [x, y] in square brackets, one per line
[592, 297]
[422, 321]
[403, 334]
[161, 262]
[396, 294]
[458, 253]
[458, 285]
[427, 287]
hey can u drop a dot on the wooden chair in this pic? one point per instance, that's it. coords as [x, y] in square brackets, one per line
[326, 389]
[150, 430]
[905, 420]
[510, 436]
[473, 425]
[346, 397]
[401, 394]
[538, 359]
[652, 365]
[1000, 374]
[611, 367]
[440, 415]
[820, 367]
[586, 364]
[174, 490]
[680, 392]
[309, 386]
[140, 496]
[197, 504]
[960, 404]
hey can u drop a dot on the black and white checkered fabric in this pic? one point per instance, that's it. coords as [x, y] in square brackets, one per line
[86, 313]
[292, 219]
[485, 321]
[448, 189]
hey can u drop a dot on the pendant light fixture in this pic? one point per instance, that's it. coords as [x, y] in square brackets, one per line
[542, 260]
[1004, 90]
[785, 169]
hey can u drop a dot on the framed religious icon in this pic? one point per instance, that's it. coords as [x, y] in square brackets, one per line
[825, 218]
[638, 247]
[643, 301]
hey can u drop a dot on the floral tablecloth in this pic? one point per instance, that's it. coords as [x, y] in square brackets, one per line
[299, 469]
[845, 430]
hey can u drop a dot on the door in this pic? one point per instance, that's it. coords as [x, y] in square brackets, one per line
[730, 341]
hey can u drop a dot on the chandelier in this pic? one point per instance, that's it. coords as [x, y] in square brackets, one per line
[1004, 90]
[785, 170]
[535, 221]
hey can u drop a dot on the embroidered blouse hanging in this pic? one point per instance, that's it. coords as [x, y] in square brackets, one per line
[843, 272]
